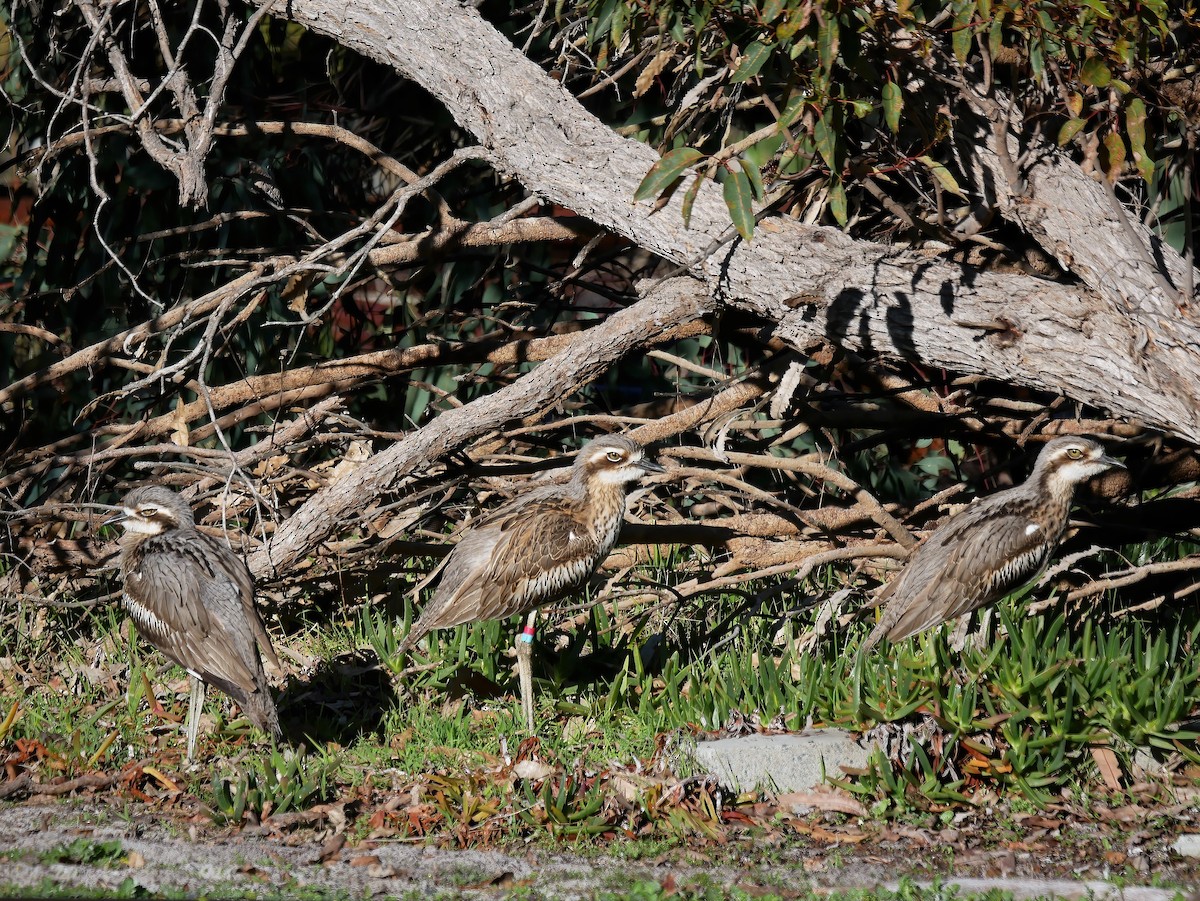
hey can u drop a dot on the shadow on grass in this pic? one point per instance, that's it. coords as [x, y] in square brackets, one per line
[344, 699]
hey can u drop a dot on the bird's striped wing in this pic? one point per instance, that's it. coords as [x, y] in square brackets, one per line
[235, 568]
[179, 607]
[981, 555]
[543, 555]
[508, 566]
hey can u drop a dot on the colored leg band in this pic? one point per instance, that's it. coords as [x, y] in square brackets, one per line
[527, 634]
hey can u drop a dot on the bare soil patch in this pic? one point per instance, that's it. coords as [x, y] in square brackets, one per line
[175, 852]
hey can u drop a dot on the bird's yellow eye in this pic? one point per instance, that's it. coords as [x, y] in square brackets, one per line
[1074, 453]
[614, 456]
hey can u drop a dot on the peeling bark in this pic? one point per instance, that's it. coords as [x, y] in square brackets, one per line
[1133, 360]
[657, 318]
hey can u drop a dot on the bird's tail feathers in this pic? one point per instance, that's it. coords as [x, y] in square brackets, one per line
[261, 710]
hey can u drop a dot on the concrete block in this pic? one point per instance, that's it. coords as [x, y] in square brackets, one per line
[785, 763]
[1187, 846]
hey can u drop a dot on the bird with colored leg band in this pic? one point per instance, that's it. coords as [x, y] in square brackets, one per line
[537, 548]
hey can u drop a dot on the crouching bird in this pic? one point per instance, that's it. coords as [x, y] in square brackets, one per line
[992, 547]
[192, 598]
[535, 549]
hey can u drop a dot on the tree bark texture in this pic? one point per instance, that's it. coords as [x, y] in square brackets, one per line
[1135, 358]
[1086, 341]
[659, 317]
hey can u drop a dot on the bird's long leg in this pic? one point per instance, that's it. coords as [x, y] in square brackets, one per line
[195, 705]
[525, 667]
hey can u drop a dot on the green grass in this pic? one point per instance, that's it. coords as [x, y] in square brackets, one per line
[86, 852]
[1021, 716]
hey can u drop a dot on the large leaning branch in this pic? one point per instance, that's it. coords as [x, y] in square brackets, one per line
[655, 318]
[811, 281]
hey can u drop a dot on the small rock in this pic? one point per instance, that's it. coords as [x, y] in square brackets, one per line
[786, 763]
[1187, 846]
[531, 770]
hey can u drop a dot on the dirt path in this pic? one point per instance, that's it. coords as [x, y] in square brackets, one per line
[159, 853]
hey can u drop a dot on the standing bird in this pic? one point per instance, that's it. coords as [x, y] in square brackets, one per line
[992, 547]
[192, 598]
[535, 549]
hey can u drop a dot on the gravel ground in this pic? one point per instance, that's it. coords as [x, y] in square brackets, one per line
[162, 853]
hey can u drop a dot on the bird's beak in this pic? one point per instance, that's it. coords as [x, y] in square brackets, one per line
[119, 516]
[649, 465]
[1110, 462]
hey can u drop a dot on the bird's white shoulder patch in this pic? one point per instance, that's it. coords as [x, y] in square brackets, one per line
[1031, 528]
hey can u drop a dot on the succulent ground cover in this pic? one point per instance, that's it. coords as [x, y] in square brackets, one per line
[1059, 748]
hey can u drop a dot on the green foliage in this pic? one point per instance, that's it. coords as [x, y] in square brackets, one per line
[85, 852]
[564, 808]
[867, 92]
[282, 781]
[1027, 714]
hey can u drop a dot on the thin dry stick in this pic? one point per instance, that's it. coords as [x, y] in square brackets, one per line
[817, 470]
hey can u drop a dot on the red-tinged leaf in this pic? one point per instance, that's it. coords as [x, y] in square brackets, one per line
[752, 60]
[837, 201]
[1114, 146]
[689, 199]
[942, 175]
[963, 33]
[739, 198]
[1110, 770]
[1095, 73]
[1075, 104]
[1068, 131]
[828, 39]
[1135, 125]
[663, 173]
[893, 103]
[826, 140]
[755, 177]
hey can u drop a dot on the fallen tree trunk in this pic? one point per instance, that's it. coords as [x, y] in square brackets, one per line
[809, 281]
[663, 315]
